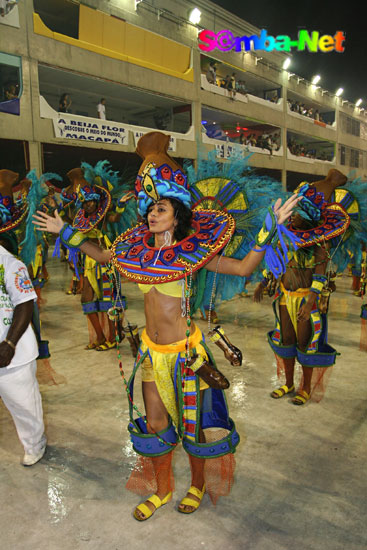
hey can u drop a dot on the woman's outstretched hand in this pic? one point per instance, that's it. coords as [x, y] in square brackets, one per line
[44, 222]
[283, 212]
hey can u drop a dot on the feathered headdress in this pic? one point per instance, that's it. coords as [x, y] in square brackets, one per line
[38, 190]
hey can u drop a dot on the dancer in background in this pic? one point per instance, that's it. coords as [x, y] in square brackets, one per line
[301, 302]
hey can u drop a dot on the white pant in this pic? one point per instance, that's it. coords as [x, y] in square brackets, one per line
[20, 393]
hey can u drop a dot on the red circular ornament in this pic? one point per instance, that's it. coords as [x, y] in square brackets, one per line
[168, 255]
[179, 179]
[166, 173]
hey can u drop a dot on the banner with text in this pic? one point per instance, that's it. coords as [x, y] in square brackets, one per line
[69, 126]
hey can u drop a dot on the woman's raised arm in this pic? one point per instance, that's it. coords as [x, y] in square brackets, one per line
[54, 224]
[244, 267]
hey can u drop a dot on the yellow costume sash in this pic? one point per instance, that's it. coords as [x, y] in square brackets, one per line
[159, 367]
[293, 299]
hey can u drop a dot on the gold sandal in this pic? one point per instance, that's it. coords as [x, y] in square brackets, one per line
[187, 501]
[93, 345]
[157, 503]
[106, 346]
[301, 398]
[280, 392]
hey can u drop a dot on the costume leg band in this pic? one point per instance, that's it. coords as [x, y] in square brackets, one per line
[90, 307]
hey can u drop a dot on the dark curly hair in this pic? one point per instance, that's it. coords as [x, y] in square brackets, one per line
[183, 215]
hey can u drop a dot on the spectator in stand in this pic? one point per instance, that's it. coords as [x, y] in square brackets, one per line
[223, 82]
[241, 87]
[11, 92]
[101, 109]
[275, 141]
[317, 115]
[65, 104]
[231, 86]
[211, 73]
[264, 142]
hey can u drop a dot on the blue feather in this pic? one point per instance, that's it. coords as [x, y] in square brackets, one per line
[37, 192]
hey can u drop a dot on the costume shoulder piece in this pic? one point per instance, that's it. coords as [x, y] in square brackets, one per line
[330, 220]
[136, 260]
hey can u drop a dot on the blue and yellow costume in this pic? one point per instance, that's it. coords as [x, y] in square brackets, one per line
[93, 185]
[193, 407]
[328, 222]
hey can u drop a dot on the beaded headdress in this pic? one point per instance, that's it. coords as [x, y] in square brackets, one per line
[330, 219]
[159, 177]
[84, 190]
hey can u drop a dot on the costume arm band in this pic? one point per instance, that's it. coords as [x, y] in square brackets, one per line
[318, 282]
[266, 233]
[71, 237]
[120, 208]
[272, 238]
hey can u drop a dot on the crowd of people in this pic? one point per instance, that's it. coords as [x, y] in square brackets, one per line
[302, 150]
[228, 82]
[302, 109]
[270, 142]
[231, 83]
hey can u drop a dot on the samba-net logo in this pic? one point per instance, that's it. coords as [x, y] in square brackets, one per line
[225, 41]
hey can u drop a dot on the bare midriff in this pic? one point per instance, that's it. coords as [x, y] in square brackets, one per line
[297, 278]
[164, 321]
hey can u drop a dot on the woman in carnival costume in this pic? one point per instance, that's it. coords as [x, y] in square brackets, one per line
[181, 385]
[301, 301]
[12, 212]
[96, 207]
[66, 208]
[353, 198]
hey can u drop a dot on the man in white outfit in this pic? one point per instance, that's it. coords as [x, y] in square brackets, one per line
[18, 352]
[101, 109]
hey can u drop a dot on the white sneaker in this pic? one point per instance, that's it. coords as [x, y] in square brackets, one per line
[29, 460]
